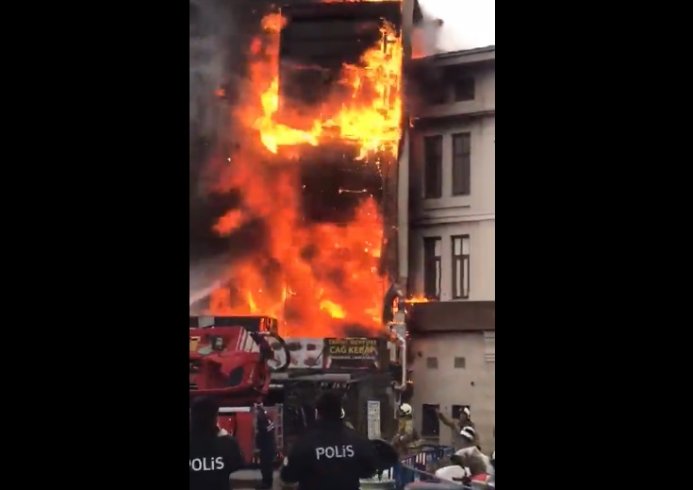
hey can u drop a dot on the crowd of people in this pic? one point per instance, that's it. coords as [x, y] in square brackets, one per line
[332, 454]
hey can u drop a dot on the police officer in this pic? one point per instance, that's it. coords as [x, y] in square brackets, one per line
[214, 454]
[265, 445]
[331, 456]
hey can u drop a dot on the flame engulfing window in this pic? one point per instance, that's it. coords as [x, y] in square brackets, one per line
[317, 41]
[432, 267]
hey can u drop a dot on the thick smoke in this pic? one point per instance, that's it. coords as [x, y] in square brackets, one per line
[426, 35]
[207, 60]
[212, 25]
[220, 34]
[468, 23]
[216, 65]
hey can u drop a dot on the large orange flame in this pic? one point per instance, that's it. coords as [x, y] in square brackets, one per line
[315, 277]
[370, 115]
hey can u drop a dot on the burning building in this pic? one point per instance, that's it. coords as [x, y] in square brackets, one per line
[312, 170]
[309, 194]
[309, 174]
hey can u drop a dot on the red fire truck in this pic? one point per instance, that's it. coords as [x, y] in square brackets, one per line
[232, 358]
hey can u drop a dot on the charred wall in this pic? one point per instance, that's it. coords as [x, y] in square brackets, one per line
[333, 185]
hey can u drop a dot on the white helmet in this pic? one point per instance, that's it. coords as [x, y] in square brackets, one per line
[468, 433]
[405, 409]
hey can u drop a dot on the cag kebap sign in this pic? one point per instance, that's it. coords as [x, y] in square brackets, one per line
[336, 354]
[353, 353]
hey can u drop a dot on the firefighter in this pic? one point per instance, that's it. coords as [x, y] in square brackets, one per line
[331, 456]
[406, 439]
[265, 446]
[474, 450]
[475, 466]
[464, 420]
[468, 438]
[214, 454]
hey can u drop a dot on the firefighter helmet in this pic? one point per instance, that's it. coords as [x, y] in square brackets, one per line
[468, 433]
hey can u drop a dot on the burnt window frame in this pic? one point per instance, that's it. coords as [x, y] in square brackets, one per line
[432, 264]
[461, 187]
[466, 265]
[433, 189]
